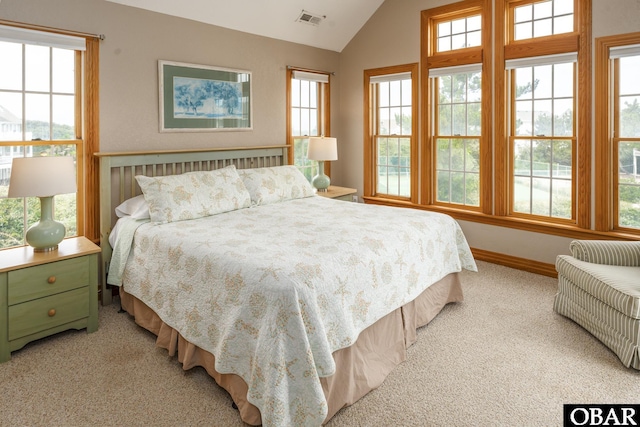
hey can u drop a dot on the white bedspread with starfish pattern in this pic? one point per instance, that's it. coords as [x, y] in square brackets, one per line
[272, 291]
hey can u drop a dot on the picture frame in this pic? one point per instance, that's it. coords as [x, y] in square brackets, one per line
[202, 98]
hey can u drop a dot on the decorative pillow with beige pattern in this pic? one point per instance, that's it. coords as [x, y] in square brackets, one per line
[275, 184]
[194, 194]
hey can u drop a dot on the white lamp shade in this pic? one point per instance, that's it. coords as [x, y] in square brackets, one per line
[321, 148]
[42, 176]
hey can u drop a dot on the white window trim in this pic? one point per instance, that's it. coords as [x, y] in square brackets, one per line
[41, 38]
[511, 64]
[458, 69]
[382, 78]
[312, 77]
[624, 51]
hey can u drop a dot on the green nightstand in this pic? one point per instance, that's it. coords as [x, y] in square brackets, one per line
[43, 293]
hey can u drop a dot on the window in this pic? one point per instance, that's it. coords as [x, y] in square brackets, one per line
[459, 33]
[505, 117]
[542, 18]
[619, 157]
[392, 129]
[308, 115]
[626, 140]
[542, 140]
[457, 130]
[456, 58]
[41, 114]
[542, 137]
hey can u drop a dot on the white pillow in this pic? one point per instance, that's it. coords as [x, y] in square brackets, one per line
[135, 207]
[275, 184]
[194, 194]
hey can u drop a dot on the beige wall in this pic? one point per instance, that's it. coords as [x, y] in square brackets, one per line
[136, 39]
[392, 37]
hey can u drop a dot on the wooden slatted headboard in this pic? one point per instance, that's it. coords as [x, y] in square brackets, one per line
[118, 183]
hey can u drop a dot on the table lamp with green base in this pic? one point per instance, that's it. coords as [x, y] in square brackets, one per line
[322, 149]
[43, 177]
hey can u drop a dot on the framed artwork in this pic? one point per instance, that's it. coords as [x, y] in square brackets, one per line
[201, 98]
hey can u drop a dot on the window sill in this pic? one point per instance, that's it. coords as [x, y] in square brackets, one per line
[569, 231]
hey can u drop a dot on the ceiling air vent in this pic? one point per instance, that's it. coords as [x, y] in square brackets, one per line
[310, 18]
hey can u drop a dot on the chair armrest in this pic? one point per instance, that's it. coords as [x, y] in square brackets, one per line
[609, 252]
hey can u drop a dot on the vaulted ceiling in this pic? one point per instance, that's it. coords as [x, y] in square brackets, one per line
[326, 24]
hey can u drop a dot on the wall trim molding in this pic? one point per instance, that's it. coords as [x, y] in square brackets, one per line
[531, 266]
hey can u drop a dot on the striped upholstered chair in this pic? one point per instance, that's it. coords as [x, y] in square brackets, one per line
[599, 288]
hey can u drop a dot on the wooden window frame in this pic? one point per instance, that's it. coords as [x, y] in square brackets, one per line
[513, 138]
[435, 136]
[433, 59]
[494, 157]
[87, 129]
[370, 156]
[578, 41]
[324, 114]
[606, 157]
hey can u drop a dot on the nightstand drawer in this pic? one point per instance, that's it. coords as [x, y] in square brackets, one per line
[48, 279]
[44, 313]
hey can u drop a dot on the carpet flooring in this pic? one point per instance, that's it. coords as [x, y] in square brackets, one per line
[501, 357]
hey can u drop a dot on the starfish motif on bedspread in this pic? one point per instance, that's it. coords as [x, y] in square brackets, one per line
[282, 369]
[342, 290]
[275, 317]
[269, 272]
[400, 259]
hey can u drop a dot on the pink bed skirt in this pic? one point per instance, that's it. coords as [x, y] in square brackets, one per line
[382, 345]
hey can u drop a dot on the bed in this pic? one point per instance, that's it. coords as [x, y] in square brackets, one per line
[296, 304]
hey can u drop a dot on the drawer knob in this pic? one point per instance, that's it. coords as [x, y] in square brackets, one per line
[51, 280]
[52, 312]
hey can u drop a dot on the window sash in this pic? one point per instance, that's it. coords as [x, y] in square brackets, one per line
[552, 19]
[457, 169]
[391, 168]
[553, 210]
[399, 107]
[456, 33]
[624, 190]
[456, 176]
[312, 118]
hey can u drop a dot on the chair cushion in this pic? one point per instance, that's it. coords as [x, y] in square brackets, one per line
[616, 286]
[607, 252]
